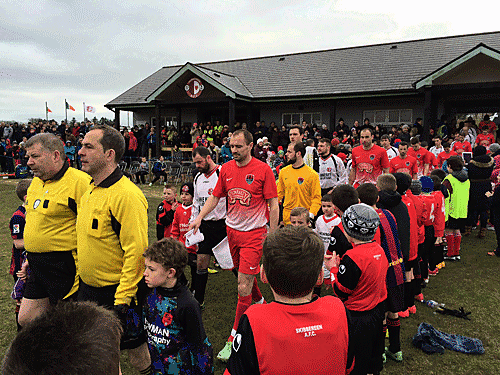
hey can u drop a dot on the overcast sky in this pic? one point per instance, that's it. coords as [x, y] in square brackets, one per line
[92, 51]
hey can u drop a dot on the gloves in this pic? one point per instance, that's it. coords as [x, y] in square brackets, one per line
[460, 313]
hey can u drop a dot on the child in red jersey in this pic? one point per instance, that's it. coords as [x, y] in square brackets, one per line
[299, 333]
[360, 283]
[434, 227]
[414, 192]
[165, 212]
[436, 261]
[180, 225]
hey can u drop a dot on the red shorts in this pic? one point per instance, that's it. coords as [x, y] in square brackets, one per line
[246, 249]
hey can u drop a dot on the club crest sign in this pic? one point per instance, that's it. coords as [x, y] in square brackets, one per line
[194, 87]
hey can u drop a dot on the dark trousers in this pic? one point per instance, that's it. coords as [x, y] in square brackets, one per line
[368, 338]
[141, 176]
[158, 175]
[495, 218]
[426, 252]
[474, 215]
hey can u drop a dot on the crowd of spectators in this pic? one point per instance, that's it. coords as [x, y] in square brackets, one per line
[141, 139]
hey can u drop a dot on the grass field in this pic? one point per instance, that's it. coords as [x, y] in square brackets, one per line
[473, 283]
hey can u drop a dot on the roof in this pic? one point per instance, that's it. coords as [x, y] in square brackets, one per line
[388, 67]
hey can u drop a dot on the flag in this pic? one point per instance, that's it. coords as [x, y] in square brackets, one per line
[90, 109]
[48, 110]
[68, 106]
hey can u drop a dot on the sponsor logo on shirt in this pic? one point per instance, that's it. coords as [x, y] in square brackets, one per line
[239, 194]
[365, 167]
[36, 204]
[15, 228]
[310, 330]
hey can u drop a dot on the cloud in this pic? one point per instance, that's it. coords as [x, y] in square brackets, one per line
[93, 51]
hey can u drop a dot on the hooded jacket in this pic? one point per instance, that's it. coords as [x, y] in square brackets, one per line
[391, 201]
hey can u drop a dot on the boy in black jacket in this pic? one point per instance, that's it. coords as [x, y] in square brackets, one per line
[390, 200]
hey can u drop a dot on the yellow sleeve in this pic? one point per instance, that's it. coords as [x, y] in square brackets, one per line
[131, 213]
[281, 187]
[315, 193]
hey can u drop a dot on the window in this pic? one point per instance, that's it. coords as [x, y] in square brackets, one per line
[166, 121]
[389, 117]
[313, 118]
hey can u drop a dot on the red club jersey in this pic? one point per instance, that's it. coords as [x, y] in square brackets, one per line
[368, 164]
[423, 157]
[407, 165]
[412, 212]
[310, 338]
[180, 225]
[444, 156]
[440, 214]
[491, 125]
[420, 210]
[485, 139]
[435, 211]
[247, 190]
[460, 147]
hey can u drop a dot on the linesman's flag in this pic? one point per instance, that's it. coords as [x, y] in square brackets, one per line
[68, 106]
[90, 109]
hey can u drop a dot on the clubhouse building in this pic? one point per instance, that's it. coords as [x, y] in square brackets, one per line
[390, 84]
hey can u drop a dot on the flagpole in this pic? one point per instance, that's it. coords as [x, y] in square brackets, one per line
[66, 110]
[46, 112]
[83, 111]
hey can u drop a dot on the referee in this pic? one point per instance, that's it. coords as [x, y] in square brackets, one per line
[112, 233]
[213, 226]
[50, 233]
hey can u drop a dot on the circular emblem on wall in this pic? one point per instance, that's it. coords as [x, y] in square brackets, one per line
[194, 87]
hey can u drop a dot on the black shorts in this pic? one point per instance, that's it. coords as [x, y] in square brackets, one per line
[51, 275]
[453, 223]
[133, 330]
[368, 339]
[395, 299]
[214, 232]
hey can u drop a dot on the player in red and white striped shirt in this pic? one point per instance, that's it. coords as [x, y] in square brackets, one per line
[252, 198]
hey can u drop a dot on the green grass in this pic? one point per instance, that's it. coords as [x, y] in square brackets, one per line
[472, 283]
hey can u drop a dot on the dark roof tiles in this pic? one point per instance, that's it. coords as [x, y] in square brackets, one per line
[338, 71]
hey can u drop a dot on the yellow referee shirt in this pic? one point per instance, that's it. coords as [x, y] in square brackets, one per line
[112, 233]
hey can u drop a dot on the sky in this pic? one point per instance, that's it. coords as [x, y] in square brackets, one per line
[92, 51]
